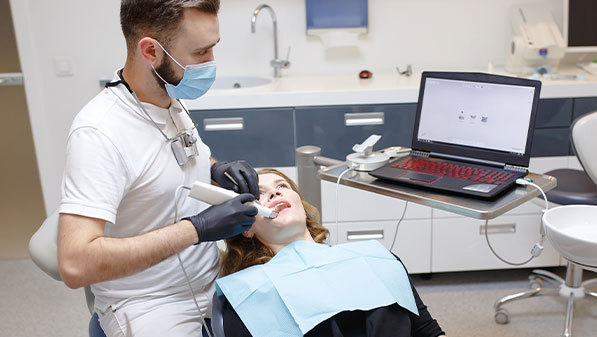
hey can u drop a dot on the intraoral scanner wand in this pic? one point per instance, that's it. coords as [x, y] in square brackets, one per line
[215, 195]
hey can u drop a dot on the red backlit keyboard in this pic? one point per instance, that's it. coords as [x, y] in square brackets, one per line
[453, 170]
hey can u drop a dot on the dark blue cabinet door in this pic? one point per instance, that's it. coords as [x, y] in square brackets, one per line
[337, 128]
[269, 137]
[554, 112]
[550, 142]
[262, 137]
[584, 105]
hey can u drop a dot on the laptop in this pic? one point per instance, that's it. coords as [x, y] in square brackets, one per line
[472, 134]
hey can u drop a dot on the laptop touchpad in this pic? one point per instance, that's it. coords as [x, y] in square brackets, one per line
[426, 178]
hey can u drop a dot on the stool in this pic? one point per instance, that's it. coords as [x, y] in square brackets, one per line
[572, 230]
[577, 191]
[564, 193]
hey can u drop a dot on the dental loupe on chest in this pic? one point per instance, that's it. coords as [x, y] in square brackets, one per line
[184, 147]
[215, 195]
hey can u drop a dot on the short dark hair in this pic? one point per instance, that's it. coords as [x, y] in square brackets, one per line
[159, 19]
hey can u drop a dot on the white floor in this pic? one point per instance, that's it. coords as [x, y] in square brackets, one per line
[463, 304]
[33, 304]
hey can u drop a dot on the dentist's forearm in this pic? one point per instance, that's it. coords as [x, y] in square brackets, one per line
[85, 256]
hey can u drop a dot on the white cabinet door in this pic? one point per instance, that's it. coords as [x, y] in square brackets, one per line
[459, 243]
[544, 164]
[359, 205]
[412, 243]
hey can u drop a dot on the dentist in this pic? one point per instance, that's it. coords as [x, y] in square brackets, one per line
[128, 150]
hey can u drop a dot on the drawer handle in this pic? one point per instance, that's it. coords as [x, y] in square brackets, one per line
[363, 118]
[223, 124]
[365, 235]
[498, 229]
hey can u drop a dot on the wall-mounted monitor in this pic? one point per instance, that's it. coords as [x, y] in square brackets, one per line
[580, 25]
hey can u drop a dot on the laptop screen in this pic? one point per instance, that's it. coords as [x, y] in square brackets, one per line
[476, 114]
[485, 116]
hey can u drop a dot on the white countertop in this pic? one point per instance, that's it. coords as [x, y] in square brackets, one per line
[294, 91]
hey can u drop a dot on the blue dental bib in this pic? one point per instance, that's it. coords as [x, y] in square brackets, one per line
[307, 283]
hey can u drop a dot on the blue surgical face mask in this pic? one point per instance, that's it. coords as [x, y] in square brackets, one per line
[195, 82]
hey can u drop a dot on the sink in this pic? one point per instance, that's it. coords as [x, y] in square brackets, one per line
[572, 230]
[238, 82]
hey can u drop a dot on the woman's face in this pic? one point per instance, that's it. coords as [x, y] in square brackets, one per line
[290, 224]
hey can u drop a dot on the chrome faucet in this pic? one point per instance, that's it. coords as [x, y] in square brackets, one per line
[276, 63]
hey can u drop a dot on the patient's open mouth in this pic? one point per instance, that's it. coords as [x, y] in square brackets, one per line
[279, 207]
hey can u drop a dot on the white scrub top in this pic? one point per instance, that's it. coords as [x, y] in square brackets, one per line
[121, 169]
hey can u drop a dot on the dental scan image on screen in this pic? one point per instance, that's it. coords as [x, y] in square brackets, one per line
[481, 115]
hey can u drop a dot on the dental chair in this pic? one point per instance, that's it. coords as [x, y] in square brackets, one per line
[217, 320]
[43, 249]
[576, 201]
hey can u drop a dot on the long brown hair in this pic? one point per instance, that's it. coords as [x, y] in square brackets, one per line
[242, 252]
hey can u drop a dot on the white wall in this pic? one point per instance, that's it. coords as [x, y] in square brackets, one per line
[429, 34]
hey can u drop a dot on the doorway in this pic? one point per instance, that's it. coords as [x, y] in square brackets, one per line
[22, 208]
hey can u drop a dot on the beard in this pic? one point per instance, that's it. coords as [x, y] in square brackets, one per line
[165, 70]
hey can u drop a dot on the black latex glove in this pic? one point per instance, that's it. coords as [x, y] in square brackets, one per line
[244, 175]
[225, 220]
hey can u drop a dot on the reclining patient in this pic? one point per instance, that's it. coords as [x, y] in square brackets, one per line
[280, 280]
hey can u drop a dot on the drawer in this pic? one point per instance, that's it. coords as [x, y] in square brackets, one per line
[551, 142]
[554, 112]
[262, 137]
[413, 239]
[360, 205]
[583, 106]
[337, 128]
[459, 244]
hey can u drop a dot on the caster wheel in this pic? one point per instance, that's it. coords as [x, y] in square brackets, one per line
[502, 316]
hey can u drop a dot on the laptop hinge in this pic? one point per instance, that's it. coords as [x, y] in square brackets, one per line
[515, 168]
[468, 159]
[419, 153]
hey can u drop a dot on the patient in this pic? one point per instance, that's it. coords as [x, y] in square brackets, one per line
[298, 220]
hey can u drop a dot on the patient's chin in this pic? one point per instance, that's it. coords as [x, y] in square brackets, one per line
[286, 235]
[288, 224]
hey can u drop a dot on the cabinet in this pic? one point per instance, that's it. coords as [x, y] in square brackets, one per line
[426, 240]
[584, 105]
[367, 215]
[459, 243]
[337, 128]
[552, 127]
[262, 137]
[411, 240]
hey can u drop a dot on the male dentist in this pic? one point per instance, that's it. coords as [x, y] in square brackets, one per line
[128, 151]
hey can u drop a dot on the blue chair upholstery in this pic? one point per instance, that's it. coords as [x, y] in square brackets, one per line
[95, 330]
